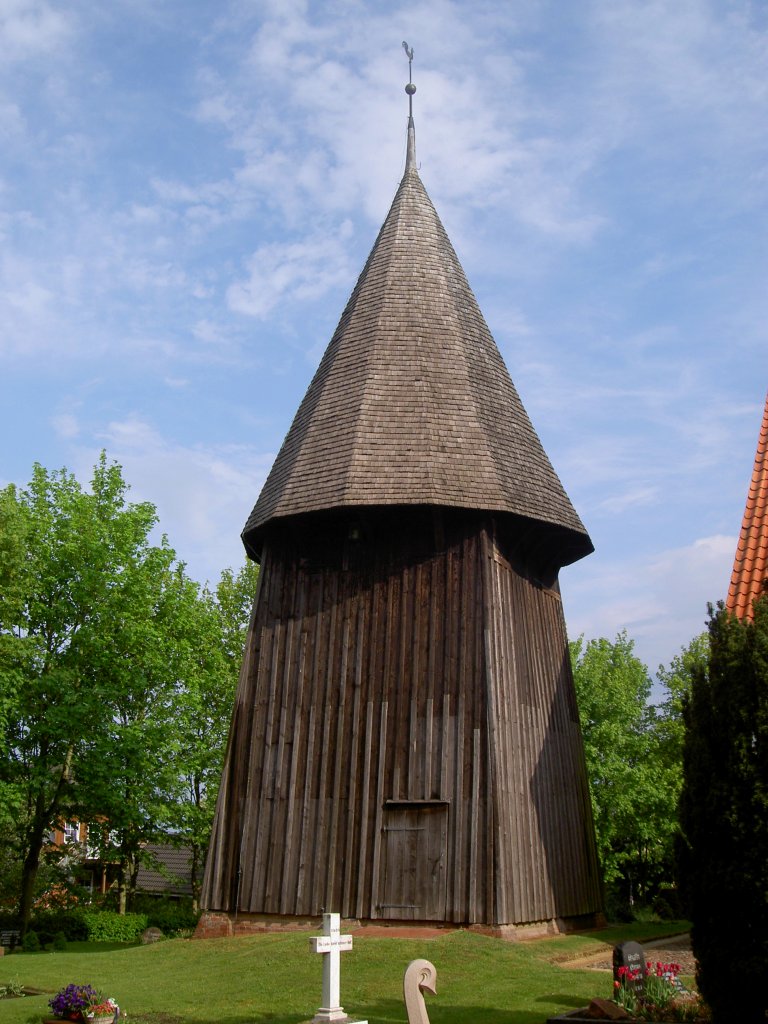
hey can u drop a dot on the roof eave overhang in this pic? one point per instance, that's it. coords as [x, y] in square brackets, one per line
[556, 543]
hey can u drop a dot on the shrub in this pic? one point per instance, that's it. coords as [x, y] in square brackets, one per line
[12, 989]
[617, 908]
[70, 923]
[108, 926]
[59, 942]
[644, 914]
[31, 942]
[170, 916]
[668, 904]
[724, 817]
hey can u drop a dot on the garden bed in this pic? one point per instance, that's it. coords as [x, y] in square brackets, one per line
[577, 1017]
[25, 990]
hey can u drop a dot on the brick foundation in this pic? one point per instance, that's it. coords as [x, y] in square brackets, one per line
[216, 924]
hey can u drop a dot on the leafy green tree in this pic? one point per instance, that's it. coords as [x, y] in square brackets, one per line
[216, 628]
[13, 538]
[235, 596]
[129, 778]
[630, 784]
[724, 816]
[677, 681]
[74, 571]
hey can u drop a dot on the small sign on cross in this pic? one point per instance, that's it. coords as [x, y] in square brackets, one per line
[331, 944]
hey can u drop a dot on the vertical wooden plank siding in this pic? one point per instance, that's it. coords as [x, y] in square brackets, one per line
[541, 750]
[406, 696]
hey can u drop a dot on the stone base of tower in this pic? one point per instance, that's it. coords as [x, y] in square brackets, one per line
[215, 924]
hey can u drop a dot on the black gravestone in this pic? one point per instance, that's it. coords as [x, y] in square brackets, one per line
[630, 956]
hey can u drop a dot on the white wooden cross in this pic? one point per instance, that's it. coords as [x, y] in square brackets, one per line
[331, 944]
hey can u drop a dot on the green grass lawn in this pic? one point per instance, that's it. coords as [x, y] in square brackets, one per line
[275, 977]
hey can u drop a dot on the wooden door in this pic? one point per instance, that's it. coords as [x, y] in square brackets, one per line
[413, 879]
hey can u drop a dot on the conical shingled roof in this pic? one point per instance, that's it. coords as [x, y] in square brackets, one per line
[750, 566]
[412, 403]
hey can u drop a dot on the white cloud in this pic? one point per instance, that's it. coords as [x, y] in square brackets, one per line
[684, 81]
[145, 214]
[11, 120]
[29, 298]
[335, 138]
[66, 425]
[203, 493]
[614, 459]
[618, 503]
[293, 272]
[179, 193]
[29, 305]
[660, 599]
[211, 333]
[30, 28]
[129, 434]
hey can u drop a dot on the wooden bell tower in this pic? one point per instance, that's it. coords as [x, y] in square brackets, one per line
[405, 743]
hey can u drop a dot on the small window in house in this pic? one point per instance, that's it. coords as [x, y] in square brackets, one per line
[71, 831]
[92, 837]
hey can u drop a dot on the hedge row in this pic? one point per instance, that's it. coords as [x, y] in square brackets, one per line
[84, 925]
[170, 916]
[109, 926]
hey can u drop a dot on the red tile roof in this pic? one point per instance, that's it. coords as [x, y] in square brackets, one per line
[750, 567]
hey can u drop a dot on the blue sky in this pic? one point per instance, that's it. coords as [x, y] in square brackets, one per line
[188, 191]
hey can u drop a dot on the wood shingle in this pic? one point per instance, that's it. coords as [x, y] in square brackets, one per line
[412, 403]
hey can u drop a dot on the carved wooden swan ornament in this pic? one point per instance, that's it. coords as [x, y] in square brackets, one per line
[420, 975]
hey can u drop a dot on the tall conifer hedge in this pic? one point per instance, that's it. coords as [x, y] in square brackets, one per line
[724, 817]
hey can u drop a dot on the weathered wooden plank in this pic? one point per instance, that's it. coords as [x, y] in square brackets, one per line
[273, 862]
[376, 859]
[292, 811]
[307, 846]
[364, 843]
[460, 825]
[253, 869]
[475, 911]
[497, 796]
[413, 673]
[326, 681]
[352, 739]
[429, 748]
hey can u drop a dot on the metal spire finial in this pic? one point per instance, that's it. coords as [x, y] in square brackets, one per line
[410, 159]
[410, 88]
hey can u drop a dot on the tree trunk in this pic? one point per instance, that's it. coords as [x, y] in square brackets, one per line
[43, 818]
[121, 886]
[29, 874]
[194, 867]
[133, 875]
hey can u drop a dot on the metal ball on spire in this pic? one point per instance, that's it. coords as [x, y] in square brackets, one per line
[410, 88]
